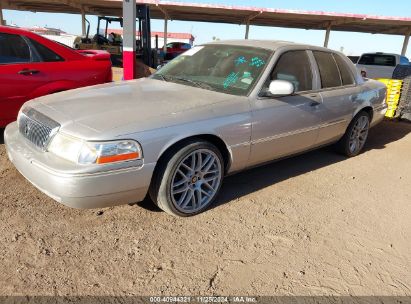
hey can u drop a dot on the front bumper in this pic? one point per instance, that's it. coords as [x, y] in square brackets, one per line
[77, 190]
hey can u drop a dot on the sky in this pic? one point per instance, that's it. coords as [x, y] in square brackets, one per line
[348, 42]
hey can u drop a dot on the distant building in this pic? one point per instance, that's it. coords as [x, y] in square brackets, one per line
[53, 34]
[171, 37]
[45, 30]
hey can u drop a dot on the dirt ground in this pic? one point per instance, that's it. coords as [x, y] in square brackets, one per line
[316, 224]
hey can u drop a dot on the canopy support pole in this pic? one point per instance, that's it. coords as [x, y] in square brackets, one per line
[165, 34]
[1, 15]
[247, 29]
[405, 44]
[166, 18]
[83, 22]
[327, 35]
[247, 22]
[129, 39]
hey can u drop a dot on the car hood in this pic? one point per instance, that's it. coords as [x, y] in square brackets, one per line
[128, 107]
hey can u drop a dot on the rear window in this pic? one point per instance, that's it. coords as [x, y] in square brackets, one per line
[345, 72]
[329, 73]
[13, 49]
[377, 59]
[45, 53]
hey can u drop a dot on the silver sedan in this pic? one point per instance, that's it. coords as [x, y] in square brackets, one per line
[215, 110]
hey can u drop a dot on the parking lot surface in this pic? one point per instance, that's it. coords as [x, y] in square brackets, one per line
[315, 224]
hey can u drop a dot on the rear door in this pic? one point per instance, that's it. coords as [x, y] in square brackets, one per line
[19, 75]
[339, 94]
[64, 74]
[289, 124]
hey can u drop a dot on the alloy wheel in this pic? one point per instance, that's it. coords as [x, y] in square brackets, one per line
[359, 134]
[196, 181]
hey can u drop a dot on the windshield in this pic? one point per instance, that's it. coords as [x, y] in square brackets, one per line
[223, 68]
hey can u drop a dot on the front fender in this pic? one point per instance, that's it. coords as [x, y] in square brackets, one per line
[234, 131]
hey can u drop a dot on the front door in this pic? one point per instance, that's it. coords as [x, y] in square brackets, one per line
[286, 125]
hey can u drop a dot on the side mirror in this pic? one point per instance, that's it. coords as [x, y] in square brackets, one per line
[160, 66]
[280, 88]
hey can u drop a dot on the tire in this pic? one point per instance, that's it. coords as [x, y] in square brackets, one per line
[355, 136]
[180, 182]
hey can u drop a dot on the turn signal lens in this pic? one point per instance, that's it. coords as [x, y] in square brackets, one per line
[116, 158]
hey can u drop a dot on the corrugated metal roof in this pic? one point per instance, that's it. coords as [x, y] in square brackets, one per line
[227, 14]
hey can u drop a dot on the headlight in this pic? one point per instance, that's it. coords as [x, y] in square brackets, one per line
[19, 115]
[83, 152]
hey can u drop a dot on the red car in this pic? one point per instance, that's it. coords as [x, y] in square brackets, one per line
[175, 48]
[33, 66]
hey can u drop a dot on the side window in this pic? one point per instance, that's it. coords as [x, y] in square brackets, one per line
[13, 49]
[45, 53]
[294, 66]
[345, 72]
[329, 74]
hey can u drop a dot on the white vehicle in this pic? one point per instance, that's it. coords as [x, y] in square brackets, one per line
[379, 65]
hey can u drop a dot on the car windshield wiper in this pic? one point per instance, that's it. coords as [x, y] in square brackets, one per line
[198, 84]
[163, 77]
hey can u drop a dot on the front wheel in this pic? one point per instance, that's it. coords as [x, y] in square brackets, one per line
[356, 135]
[189, 179]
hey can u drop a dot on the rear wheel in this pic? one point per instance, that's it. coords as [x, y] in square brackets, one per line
[189, 179]
[356, 135]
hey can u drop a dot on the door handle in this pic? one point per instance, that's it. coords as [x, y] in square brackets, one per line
[314, 103]
[28, 72]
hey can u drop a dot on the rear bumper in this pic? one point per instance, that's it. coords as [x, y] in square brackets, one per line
[77, 190]
[378, 114]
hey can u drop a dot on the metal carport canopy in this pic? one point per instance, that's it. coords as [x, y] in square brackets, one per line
[226, 14]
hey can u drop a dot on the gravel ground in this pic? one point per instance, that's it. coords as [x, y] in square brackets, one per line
[316, 224]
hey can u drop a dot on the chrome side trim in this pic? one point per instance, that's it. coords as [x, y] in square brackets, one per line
[93, 174]
[299, 131]
[246, 143]
[332, 123]
[265, 139]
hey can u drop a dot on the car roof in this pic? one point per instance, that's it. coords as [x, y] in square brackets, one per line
[268, 44]
[13, 29]
[380, 53]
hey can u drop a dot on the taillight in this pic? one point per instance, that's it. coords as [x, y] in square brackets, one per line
[364, 74]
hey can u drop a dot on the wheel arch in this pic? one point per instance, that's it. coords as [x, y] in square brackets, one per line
[367, 109]
[212, 138]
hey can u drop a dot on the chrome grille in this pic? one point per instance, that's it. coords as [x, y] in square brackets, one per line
[36, 127]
